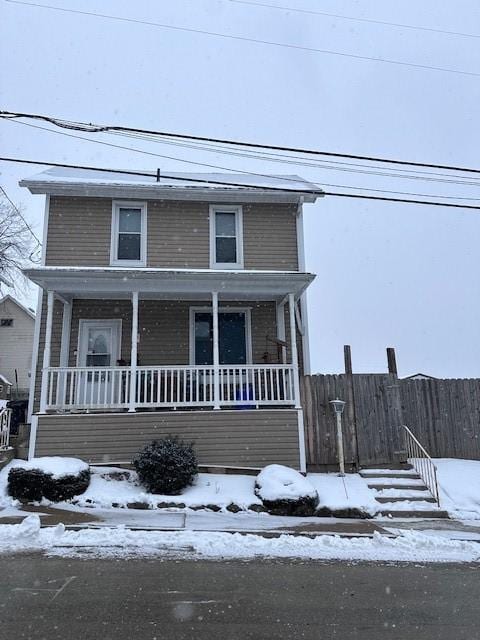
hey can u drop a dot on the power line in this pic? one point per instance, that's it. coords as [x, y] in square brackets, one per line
[20, 215]
[250, 173]
[243, 185]
[355, 19]
[92, 128]
[270, 43]
[262, 156]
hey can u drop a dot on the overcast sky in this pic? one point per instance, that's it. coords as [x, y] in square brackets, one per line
[388, 274]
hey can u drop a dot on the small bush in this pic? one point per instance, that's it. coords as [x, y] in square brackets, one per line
[31, 485]
[166, 466]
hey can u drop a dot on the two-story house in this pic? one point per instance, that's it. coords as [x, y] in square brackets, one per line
[170, 306]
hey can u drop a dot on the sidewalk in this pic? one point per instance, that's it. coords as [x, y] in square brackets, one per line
[259, 524]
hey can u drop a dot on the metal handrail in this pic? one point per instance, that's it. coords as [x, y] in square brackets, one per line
[5, 417]
[422, 463]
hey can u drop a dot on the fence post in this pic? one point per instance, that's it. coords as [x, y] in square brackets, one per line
[351, 420]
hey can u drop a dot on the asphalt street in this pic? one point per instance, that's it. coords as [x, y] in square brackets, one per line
[174, 599]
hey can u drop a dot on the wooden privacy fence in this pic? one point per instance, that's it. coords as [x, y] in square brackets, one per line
[443, 414]
[371, 419]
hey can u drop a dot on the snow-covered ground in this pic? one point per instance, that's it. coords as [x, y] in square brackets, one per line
[459, 484]
[121, 542]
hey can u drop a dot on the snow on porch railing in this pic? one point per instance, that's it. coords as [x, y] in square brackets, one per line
[5, 417]
[78, 388]
[422, 463]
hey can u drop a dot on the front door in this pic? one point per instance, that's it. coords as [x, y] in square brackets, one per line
[99, 348]
[232, 338]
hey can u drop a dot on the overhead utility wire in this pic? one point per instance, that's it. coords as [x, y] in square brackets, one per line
[356, 19]
[406, 174]
[270, 43]
[243, 185]
[236, 171]
[92, 128]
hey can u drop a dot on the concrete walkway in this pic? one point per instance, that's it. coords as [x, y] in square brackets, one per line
[261, 524]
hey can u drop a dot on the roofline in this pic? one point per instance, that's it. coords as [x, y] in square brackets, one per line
[165, 192]
[19, 304]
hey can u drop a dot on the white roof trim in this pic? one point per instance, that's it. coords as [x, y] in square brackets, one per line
[5, 381]
[19, 305]
[191, 283]
[58, 181]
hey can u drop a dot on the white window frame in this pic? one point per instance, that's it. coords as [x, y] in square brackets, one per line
[248, 329]
[116, 206]
[230, 208]
[114, 323]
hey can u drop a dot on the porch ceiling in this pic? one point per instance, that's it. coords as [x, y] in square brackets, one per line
[118, 282]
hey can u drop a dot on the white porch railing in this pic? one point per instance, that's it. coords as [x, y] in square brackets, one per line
[422, 463]
[80, 388]
[5, 417]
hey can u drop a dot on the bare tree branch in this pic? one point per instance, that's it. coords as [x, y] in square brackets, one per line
[18, 247]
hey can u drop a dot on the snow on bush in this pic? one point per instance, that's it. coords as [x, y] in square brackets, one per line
[52, 478]
[166, 466]
[285, 491]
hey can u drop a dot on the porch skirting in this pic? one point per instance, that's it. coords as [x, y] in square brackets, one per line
[227, 438]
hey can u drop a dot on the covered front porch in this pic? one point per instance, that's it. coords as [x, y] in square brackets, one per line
[155, 339]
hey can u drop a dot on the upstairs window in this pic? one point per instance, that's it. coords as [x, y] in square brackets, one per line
[6, 322]
[129, 234]
[226, 237]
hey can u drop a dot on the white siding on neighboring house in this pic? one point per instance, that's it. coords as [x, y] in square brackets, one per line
[16, 343]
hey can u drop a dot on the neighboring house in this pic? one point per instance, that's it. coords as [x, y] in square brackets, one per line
[419, 376]
[170, 307]
[5, 388]
[17, 325]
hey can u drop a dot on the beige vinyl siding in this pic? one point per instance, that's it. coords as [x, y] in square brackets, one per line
[270, 237]
[221, 438]
[79, 234]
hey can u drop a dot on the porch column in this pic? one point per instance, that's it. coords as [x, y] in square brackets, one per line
[46, 353]
[216, 356]
[293, 347]
[133, 353]
[281, 335]
[64, 352]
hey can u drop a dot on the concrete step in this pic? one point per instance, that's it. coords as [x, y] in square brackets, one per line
[387, 499]
[398, 485]
[407, 513]
[411, 475]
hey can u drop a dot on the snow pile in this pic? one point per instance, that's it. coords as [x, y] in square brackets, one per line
[122, 542]
[277, 482]
[349, 492]
[459, 484]
[208, 489]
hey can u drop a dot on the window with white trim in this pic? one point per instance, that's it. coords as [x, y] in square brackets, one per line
[6, 322]
[226, 237]
[129, 234]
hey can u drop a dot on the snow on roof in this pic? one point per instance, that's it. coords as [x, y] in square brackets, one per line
[176, 180]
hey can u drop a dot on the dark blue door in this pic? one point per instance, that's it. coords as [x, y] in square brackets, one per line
[232, 342]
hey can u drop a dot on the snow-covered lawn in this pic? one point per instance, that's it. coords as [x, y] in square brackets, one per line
[121, 542]
[459, 483]
[209, 489]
